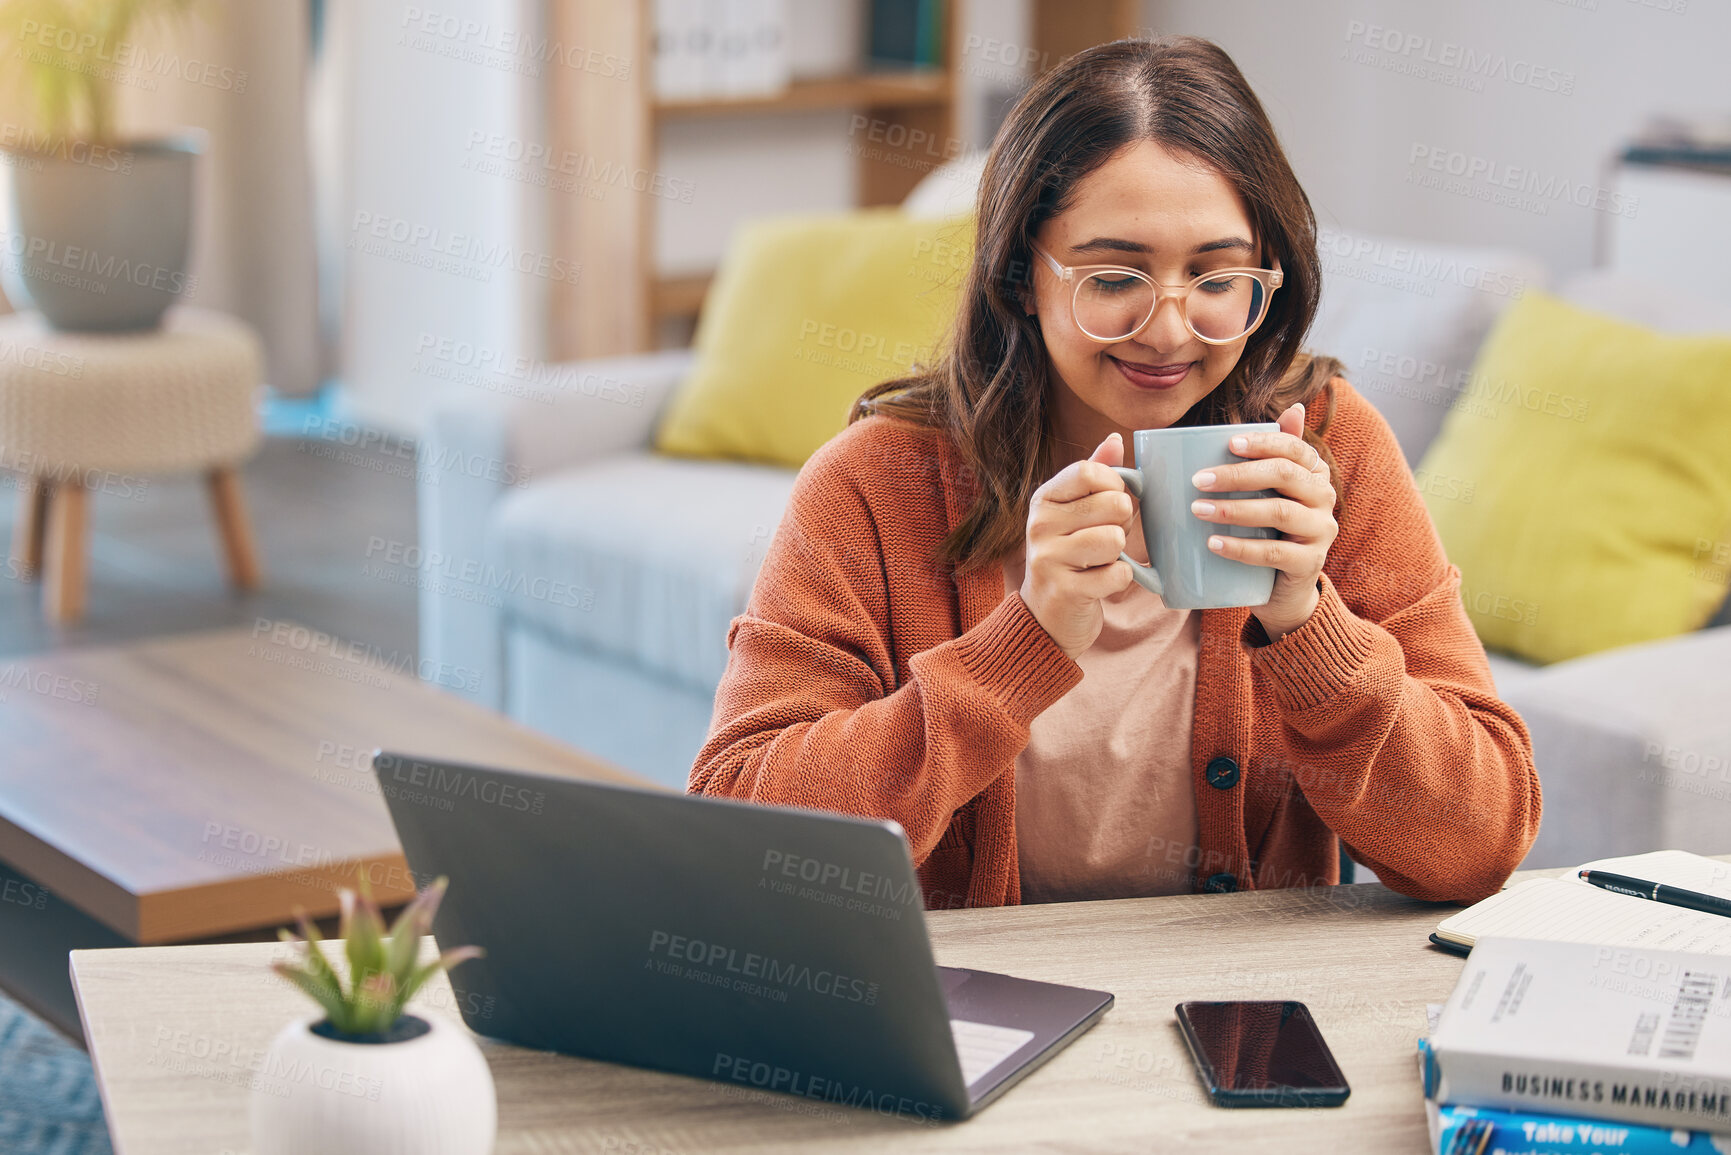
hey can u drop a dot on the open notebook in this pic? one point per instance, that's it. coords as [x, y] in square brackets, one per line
[1567, 909]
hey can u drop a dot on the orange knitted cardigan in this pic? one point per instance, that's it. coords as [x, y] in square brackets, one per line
[866, 678]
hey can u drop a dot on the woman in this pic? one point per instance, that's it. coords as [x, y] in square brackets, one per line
[943, 633]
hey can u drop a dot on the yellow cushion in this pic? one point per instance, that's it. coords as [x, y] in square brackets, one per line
[804, 315]
[1582, 482]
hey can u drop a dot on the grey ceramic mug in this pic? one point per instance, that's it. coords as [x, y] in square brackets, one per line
[1186, 573]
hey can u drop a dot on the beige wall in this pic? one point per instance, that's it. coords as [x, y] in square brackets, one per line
[252, 246]
[1352, 115]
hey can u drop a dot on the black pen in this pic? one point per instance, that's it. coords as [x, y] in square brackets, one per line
[1658, 892]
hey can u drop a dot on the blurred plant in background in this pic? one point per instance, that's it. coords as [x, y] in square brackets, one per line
[64, 56]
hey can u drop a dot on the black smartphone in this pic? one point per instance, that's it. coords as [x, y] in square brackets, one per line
[1261, 1054]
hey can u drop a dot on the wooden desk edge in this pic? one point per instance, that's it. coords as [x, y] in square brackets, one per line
[109, 1111]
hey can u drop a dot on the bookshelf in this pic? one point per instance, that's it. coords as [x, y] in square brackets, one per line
[618, 302]
[871, 90]
[619, 122]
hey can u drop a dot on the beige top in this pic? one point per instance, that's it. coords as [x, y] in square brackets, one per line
[1105, 807]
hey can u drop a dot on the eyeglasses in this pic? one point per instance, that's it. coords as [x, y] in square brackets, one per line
[1113, 303]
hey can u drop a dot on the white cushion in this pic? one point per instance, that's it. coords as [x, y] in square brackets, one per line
[948, 189]
[634, 718]
[1633, 747]
[1407, 317]
[640, 557]
[1644, 302]
[1507, 672]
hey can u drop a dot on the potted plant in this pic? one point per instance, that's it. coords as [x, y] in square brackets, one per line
[363, 1076]
[100, 225]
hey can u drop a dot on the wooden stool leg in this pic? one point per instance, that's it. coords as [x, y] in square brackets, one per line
[234, 528]
[63, 571]
[32, 525]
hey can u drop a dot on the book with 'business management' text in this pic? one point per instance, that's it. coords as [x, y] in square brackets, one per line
[1605, 1032]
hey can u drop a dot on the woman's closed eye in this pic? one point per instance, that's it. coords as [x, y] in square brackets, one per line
[1107, 283]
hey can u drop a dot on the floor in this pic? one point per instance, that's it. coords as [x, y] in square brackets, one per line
[155, 566]
[155, 569]
[48, 1098]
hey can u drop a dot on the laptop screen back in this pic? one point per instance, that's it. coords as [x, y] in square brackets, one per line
[774, 948]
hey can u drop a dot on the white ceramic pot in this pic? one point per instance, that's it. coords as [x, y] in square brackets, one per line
[100, 235]
[427, 1095]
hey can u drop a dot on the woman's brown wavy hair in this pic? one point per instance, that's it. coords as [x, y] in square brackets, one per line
[990, 389]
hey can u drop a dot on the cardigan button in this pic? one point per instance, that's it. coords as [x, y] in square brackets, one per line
[1222, 772]
[1220, 884]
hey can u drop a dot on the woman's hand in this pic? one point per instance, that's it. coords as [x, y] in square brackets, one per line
[1304, 515]
[1075, 534]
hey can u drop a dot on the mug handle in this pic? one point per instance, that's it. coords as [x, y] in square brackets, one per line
[1146, 576]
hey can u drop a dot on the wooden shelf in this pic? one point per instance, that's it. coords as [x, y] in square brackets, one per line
[911, 89]
[619, 121]
[678, 296]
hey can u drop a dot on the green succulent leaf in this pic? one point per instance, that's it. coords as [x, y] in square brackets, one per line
[323, 993]
[363, 939]
[376, 1003]
[314, 959]
[309, 928]
[414, 921]
[443, 963]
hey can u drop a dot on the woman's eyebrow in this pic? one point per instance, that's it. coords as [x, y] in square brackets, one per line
[1224, 243]
[1117, 245]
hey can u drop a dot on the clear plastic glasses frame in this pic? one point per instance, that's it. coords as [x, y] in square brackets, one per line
[1267, 280]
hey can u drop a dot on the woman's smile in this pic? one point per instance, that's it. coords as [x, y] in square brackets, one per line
[1143, 375]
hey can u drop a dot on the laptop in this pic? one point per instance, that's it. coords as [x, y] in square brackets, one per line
[768, 948]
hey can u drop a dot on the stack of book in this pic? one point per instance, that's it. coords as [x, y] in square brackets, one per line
[708, 48]
[705, 49]
[905, 34]
[1456, 1129]
[1696, 141]
[1605, 1027]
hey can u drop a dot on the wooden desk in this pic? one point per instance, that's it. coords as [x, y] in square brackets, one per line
[1357, 954]
[193, 787]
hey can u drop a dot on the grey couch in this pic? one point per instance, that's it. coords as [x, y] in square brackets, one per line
[586, 583]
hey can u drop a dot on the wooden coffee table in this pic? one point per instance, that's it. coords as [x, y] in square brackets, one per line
[199, 788]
